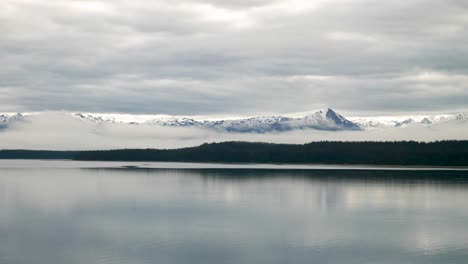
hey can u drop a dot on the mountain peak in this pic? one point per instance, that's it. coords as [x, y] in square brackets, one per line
[6, 119]
[340, 120]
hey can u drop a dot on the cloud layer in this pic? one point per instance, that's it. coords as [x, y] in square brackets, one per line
[61, 131]
[203, 57]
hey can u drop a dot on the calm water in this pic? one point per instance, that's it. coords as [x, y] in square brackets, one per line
[67, 212]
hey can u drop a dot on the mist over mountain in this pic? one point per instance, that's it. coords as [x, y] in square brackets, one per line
[327, 120]
[74, 131]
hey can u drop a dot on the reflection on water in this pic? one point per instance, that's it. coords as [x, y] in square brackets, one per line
[70, 215]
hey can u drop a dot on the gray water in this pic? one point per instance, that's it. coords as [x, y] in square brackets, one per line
[57, 212]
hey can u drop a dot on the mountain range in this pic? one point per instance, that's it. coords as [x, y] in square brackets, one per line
[321, 120]
[6, 119]
[327, 120]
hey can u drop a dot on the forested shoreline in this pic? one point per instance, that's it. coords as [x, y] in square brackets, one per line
[441, 153]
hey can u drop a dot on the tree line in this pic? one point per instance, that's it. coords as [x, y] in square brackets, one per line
[439, 153]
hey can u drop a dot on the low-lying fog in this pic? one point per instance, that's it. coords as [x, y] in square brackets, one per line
[61, 131]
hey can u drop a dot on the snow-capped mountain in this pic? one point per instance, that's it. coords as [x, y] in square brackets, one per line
[6, 119]
[95, 118]
[327, 120]
[462, 116]
[321, 120]
[401, 122]
[174, 122]
[65, 131]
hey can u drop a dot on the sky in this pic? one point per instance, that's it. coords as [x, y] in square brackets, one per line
[219, 57]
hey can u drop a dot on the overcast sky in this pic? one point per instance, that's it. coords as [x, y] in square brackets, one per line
[220, 57]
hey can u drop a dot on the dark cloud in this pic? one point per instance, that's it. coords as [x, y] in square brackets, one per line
[233, 57]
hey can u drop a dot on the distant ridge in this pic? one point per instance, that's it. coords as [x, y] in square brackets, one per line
[328, 120]
[5, 119]
[443, 153]
[321, 120]
[325, 120]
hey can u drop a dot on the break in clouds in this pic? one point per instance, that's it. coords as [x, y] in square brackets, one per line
[215, 57]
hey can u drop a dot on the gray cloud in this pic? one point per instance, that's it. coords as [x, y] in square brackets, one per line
[233, 57]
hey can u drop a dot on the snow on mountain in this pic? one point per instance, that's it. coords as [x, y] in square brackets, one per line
[256, 124]
[65, 131]
[405, 122]
[382, 122]
[174, 122]
[426, 121]
[340, 120]
[328, 120]
[95, 118]
[6, 119]
[462, 116]
[321, 120]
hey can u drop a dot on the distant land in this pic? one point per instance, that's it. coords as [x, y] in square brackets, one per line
[324, 120]
[411, 153]
[99, 131]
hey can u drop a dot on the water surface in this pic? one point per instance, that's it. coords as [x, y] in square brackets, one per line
[56, 212]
